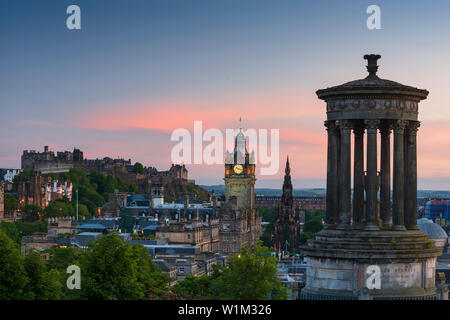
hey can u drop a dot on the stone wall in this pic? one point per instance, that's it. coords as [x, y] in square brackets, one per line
[348, 277]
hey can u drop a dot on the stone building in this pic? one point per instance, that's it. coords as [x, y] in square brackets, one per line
[30, 192]
[186, 223]
[41, 190]
[367, 250]
[288, 221]
[176, 171]
[48, 162]
[62, 225]
[37, 241]
[169, 269]
[240, 221]
[8, 175]
[194, 232]
[312, 203]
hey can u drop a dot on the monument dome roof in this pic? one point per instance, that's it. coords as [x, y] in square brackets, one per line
[433, 230]
[372, 84]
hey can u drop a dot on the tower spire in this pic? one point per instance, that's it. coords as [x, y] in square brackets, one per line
[287, 197]
[287, 171]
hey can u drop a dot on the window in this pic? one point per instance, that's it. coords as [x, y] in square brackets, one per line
[189, 237]
[181, 269]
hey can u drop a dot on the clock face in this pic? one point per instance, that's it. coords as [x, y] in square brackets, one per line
[238, 168]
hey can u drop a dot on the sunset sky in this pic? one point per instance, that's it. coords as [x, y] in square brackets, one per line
[138, 69]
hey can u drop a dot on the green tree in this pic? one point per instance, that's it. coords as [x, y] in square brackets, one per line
[266, 238]
[77, 176]
[10, 229]
[111, 271]
[194, 287]
[110, 185]
[133, 188]
[92, 207]
[61, 258]
[59, 208]
[28, 228]
[99, 180]
[64, 257]
[250, 275]
[138, 167]
[83, 210]
[42, 285]
[148, 273]
[308, 215]
[25, 175]
[31, 213]
[11, 203]
[313, 225]
[268, 215]
[13, 278]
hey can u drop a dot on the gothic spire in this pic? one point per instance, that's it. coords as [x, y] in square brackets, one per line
[287, 171]
[287, 198]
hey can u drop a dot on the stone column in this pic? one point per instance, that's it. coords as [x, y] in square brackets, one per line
[385, 188]
[398, 215]
[332, 206]
[358, 175]
[344, 175]
[411, 189]
[372, 178]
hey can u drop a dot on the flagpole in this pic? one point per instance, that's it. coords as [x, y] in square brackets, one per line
[77, 204]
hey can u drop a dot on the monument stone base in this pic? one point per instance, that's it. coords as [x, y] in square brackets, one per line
[339, 261]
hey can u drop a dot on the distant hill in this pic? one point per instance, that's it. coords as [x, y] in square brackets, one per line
[220, 189]
[433, 194]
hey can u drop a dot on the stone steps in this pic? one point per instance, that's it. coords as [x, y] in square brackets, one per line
[370, 245]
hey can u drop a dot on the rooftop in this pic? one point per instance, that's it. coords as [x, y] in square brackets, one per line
[433, 230]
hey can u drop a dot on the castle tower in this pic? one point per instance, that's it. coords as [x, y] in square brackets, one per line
[346, 258]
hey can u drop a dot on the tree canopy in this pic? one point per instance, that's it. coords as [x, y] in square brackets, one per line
[250, 275]
[13, 277]
[116, 270]
[11, 203]
[42, 284]
[138, 167]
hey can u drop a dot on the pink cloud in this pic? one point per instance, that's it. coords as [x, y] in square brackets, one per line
[298, 116]
[220, 113]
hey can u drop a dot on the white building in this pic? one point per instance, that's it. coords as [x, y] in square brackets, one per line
[9, 174]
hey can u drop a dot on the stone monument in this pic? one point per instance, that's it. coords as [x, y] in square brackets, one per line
[365, 245]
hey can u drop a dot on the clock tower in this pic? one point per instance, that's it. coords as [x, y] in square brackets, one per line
[240, 174]
[239, 219]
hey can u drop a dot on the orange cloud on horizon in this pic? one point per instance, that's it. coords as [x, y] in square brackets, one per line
[299, 117]
[167, 116]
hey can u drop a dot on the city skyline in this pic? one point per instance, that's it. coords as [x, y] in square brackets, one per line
[135, 73]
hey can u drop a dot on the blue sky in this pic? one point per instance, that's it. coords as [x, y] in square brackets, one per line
[56, 84]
